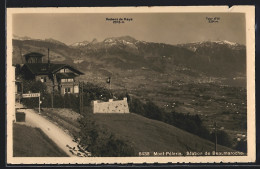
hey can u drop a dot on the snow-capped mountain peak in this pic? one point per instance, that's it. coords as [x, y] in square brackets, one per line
[16, 37]
[226, 42]
[83, 43]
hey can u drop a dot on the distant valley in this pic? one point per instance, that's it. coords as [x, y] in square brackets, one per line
[206, 78]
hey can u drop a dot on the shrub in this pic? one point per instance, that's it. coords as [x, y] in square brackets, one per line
[95, 92]
[187, 122]
[136, 106]
[91, 92]
[152, 111]
[222, 138]
[241, 146]
[59, 101]
[101, 142]
[34, 87]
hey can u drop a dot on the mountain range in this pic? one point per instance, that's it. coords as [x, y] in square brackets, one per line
[208, 58]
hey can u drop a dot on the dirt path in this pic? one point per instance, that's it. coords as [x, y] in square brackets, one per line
[62, 139]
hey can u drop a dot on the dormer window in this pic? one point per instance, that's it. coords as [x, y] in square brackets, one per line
[65, 70]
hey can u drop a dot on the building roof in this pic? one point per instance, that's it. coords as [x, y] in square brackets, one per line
[33, 54]
[45, 68]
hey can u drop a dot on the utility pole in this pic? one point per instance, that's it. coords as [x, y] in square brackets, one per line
[110, 83]
[81, 97]
[52, 96]
[39, 102]
[20, 49]
[216, 137]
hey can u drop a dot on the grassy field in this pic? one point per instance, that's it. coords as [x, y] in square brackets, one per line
[141, 133]
[153, 136]
[32, 142]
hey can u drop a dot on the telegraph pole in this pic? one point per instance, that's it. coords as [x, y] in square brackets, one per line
[109, 81]
[81, 97]
[20, 48]
[52, 96]
[216, 137]
[52, 99]
[39, 102]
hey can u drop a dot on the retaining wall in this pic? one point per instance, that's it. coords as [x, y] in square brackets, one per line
[112, 106]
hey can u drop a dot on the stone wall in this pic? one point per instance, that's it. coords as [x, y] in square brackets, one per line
[117, 106]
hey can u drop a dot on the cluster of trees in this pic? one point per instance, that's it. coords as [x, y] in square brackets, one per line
[95, 92]
[100, 142]
[241, 146]
[187, 122]
[59, 101]
[34, 87]
[91, 92]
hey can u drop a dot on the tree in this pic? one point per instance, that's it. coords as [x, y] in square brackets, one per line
[35, 87]
[95, 92]
[222, 138]
[99, 141]
[152, 111]
[242, 146]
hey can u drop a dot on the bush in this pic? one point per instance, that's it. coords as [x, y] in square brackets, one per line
[152, 111]
[187, 122]
[59, 101]
[91, 92]
[34, 87]
[136, 106]
[222, 138]
[241, 146]
[95, 92]
[100, 142]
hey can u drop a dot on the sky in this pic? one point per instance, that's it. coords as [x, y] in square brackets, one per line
[171, 28]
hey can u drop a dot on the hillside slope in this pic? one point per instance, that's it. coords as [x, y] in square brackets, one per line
[32, 142]
[147, 135]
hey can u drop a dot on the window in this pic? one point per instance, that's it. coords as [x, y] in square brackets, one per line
[66, 90]
[65, 70]
[76, 89]
[43, 69]
[43, 79]
[67, 80]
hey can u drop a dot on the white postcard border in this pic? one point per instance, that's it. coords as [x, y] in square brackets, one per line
[250, 44]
